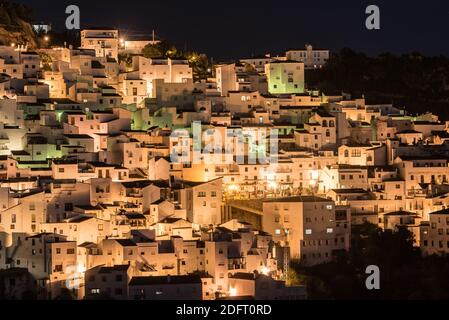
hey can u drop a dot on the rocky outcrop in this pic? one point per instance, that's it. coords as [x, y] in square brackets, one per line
[21, 35]
[14, 25]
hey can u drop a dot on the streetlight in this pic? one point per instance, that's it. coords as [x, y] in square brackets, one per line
[314, 181]
[265, 270]
[273, 185]
[315, 175]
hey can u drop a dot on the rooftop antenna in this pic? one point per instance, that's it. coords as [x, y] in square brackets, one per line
[153, 35]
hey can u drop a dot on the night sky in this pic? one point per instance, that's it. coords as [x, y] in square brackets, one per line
[232, 29]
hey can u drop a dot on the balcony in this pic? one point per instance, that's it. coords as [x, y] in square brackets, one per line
[417, 193]
[134, 194]
[429, 165]
[283, 170]
[236, 266]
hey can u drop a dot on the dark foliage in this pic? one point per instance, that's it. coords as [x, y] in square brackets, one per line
[413, 81]
[10, 13]
[405, 274]
[199, 62]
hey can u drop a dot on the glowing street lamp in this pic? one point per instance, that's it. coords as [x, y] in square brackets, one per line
[265, 270]
[233, 292]
[315, 175]
[81, 269]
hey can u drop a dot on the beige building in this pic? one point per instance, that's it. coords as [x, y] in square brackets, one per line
[262, 287]
[48, 257]
[108, 282]
[187, 287]
[434, 234]
[104, 41]
[308, 225]
[312, 58]
[169, 70]
[421, 169]
[358, 154]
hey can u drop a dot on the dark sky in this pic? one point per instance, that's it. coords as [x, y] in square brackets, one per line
[231, 29]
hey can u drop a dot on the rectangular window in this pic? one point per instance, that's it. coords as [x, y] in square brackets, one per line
[356, 153]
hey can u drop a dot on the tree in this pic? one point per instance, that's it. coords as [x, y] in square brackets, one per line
[411, 80]
[200, 65]
[152, 51]
[404, 273]
[4, 17]
[199, 62]
[250, 68]
[46, 61]
[293, 278]
[126, 58]
[65, 295]
[24, 12]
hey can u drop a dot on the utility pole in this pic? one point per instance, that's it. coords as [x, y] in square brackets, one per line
[286, 262]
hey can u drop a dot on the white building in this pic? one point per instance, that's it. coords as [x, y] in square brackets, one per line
[312, 58]
[104, 41]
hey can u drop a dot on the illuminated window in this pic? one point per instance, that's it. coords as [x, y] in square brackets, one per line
[356, 153]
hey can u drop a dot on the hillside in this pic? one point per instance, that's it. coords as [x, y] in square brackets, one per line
[413, 81]
[15, 24]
